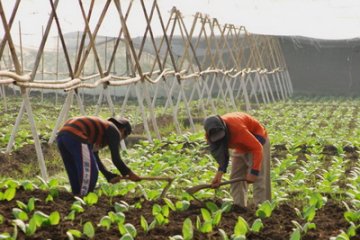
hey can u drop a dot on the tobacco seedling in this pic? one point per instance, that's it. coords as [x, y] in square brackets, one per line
[187, 231]
[144, 224]
[241, 229]
[265, 209]
[88, 231]
[182, 205]
[257, 225]
[91, 199]
[121, 207]
[161, 214]
[300, 230]
[29, 207]
[76, 208]
[8, 195]
[127, 228]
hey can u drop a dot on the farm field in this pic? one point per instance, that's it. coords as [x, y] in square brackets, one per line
[315, 179]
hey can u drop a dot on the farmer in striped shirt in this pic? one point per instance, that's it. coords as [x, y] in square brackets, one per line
[249, 153]
[79, 142]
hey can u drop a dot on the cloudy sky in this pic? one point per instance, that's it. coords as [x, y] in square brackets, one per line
[327, 19]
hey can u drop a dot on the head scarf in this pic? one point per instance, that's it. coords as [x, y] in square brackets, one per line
[217, 135]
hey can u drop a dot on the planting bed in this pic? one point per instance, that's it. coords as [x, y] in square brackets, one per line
[328, 221]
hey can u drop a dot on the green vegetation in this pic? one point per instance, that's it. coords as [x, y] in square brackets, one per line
[315, 160]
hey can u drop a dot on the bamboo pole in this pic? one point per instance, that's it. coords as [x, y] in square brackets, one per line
[11, 21]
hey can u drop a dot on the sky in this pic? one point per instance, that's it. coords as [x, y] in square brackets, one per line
[325, 19]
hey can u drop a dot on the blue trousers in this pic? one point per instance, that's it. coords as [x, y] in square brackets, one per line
[80, 164]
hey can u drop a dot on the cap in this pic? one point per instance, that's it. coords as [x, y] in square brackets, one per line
[214, 128]
[121, 122]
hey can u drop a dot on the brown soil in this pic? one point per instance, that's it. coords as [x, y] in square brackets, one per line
[329, 220]
[23, 159]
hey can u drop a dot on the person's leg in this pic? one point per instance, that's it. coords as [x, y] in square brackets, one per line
[80, 164]
[69, 163]
[262, 185]
[239, 169]
[89, 170]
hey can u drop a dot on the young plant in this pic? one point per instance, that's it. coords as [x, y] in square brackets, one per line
[20, 214]
[91, 199]
[210, 219]
[8, 195]
[182, 205]
[241, 229]
[265, 209]
[301, 230]
[187, 231]
[121, 207]
[29, 207]
[28, 229]
[112, 217]
[127, 228]
[88, 231]
[161, 214]
[42, 219]
[51, 187]
[76, 208]
[144, 224]
[257, 225]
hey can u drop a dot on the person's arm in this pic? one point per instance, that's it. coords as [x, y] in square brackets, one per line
[256, 149]
[220, 152]
[107, 174]
[114, 142]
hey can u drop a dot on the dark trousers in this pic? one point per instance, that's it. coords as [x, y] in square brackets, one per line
[80, 164]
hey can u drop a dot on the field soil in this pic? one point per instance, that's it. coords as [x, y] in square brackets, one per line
[329, 220]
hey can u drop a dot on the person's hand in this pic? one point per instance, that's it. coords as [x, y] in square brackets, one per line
[217, 180]
[250, 178]
[133, 177]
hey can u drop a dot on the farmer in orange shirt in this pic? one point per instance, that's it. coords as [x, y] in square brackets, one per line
[249, 152]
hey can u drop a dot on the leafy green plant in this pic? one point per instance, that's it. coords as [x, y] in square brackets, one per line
[20, 214]
[28, 185]
[87, 231]
[51, 187]
[91, 199]
[121, 207]
[42, 219]
[182, 205]
[257, 225]
[161, 213]
[301, 230]
[241, 229]
[265, 209]
[29, 207]
[145, 226]
[28, 229]
[2, 219]
[8, 195]
[75, 208]
[112, 218]
[127, 228]
[187, 231]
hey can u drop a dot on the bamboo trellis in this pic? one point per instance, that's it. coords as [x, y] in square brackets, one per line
[207, 61]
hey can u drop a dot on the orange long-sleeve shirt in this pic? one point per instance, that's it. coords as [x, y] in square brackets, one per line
[246, 134]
